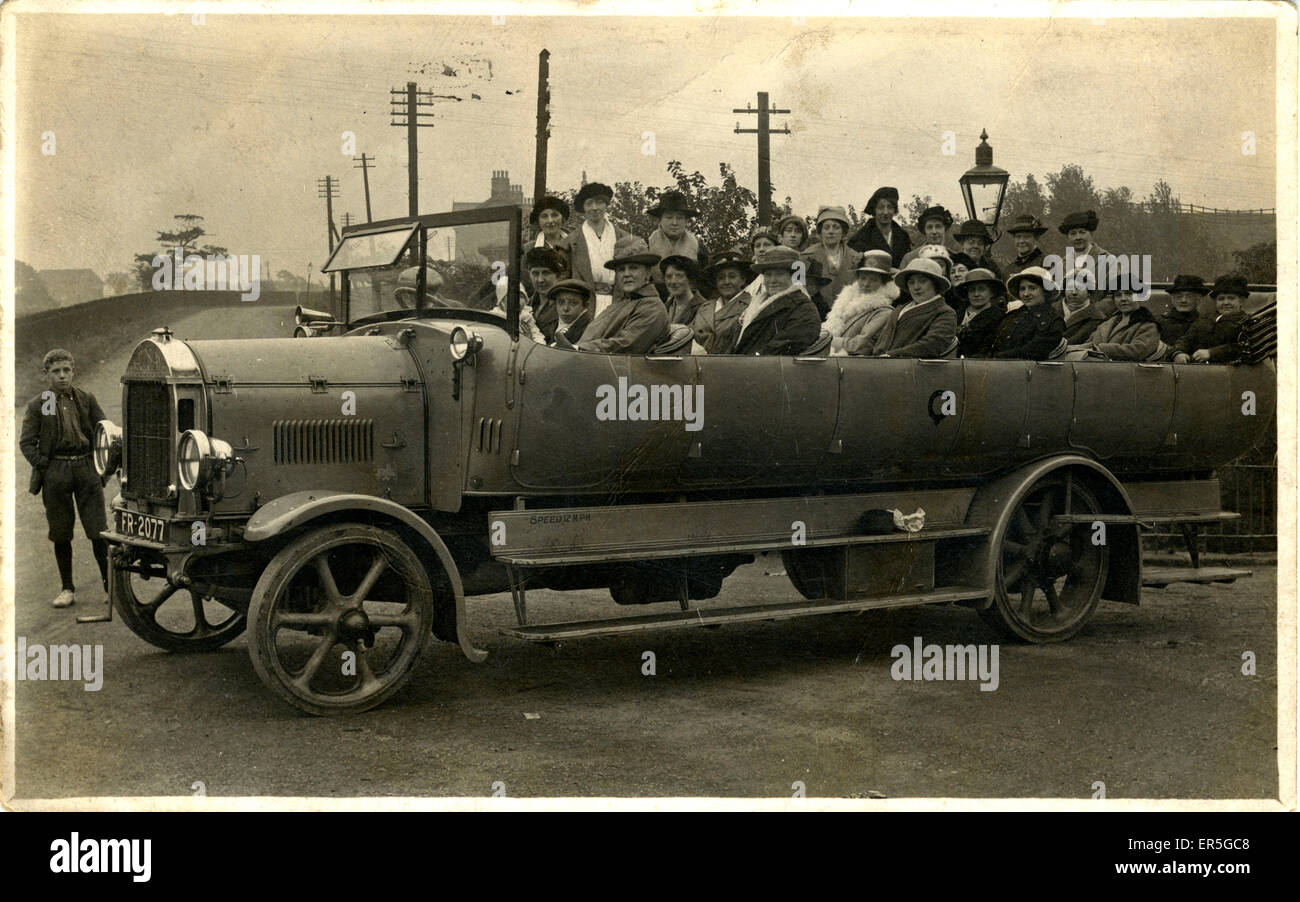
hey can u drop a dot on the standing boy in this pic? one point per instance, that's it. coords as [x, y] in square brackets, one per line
[56, 440]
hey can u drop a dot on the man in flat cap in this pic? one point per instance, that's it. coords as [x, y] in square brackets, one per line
[634, 321]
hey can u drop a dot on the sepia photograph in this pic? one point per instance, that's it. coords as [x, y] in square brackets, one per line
[772, 406]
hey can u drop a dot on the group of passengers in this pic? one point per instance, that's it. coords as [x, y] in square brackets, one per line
[598, 288]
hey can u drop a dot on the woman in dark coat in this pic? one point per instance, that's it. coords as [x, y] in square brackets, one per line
[979, 311]
[1032, 328]
[830, 259]
[681, 277]
[1185, 300]
[1080, 315]
[881, 233]
[786, 321]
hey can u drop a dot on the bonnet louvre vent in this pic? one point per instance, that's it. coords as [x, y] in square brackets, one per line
[340, 440]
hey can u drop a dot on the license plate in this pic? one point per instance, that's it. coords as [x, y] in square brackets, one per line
[141, 526]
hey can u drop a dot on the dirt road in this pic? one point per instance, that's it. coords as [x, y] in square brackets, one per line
[1150, 700]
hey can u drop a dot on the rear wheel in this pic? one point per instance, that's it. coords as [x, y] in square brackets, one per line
[339, 617]
[1050, 575]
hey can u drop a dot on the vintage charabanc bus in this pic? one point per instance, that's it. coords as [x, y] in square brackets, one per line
[344, 495]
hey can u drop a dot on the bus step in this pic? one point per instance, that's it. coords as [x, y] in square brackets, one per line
[1159, 577]
[619, 626]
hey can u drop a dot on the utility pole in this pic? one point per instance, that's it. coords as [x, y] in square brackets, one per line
[764, 151]
[366, 163]
[406, 111]
[347, 220]
[328, 188]
[543, 122]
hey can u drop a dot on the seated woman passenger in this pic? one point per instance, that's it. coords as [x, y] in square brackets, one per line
[718, 322]
[1214, 340]
[636, 320]
[762, 240]
[863, 311]
[1185, 300]
[573, 301]
[830, 257]
[1032, 328]
[925, 326]
[681, 276]
[1130, 333]
[1080, 315]
[979, 312]
[974, 239]
[785, 321]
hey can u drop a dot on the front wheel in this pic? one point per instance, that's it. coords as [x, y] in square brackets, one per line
[339, 617]
[172, 618]
[1050, 574]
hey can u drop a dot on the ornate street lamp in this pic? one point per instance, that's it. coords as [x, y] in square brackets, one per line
[984, 186]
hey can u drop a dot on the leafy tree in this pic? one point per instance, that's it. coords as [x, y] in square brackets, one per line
[184, 235]
[1258, 263]
[287, 281]
[1024, 198]
[29, 291]
[1070, 191]
[914, 208]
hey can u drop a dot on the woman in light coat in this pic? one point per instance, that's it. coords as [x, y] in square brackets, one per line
[861, 319]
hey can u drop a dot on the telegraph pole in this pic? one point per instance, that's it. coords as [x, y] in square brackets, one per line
[366, 163]
[543, 122]
[763, 131]
[347, 220]
[328, 188]
[406, 111]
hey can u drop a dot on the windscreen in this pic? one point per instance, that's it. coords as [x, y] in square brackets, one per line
[466, 268]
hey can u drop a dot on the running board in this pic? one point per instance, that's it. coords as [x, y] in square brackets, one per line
[1159, 577]
[620, 626]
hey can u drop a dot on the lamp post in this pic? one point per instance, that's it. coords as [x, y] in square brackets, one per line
[984, 186]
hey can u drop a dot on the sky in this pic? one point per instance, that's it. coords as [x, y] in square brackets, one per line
[236, 117]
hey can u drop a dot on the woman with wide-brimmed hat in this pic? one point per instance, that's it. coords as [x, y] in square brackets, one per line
[591, 246]
[974, 239]
[673, 238]
[636, 320]
[1184, 307]
[681, 278]
[786, 320]
[1025, 231]
[862, 311]
[1032, 328]
[925, 326]
[548, 217]
[881, 233]
[979, 311]
[829, 257]
[718, 321]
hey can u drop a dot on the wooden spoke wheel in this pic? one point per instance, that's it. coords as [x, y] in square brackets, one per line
[173, 618]
[339, 618]
[1050, 575]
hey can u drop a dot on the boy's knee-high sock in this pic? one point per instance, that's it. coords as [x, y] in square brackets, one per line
[63, 555]
[101, 557]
